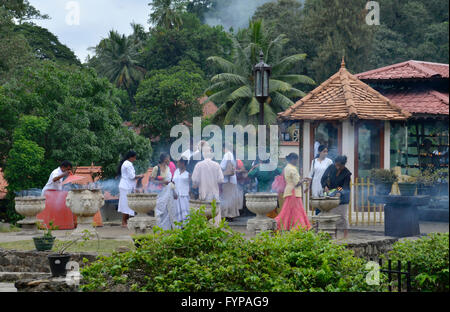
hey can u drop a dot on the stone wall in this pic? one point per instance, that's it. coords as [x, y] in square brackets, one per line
[370, 247]
[34, 261]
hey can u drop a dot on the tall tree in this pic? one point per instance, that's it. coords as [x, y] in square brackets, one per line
[168, 97]
[194, 41]
[232, 89]
[333, 29]
[283, 17]
[116, 58]
[45, 45]
[22, 10]
[167, 13]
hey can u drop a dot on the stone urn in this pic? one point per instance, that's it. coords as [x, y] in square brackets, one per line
[29, 207]
[196, 204]
[142, 204]
[85, 203]
[261, 204]
[326, 219]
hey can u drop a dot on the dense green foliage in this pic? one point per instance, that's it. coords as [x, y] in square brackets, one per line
[193, 41]
[169, 97]
[202, 257]
[54, 113]
[429, 261]
[327, 30]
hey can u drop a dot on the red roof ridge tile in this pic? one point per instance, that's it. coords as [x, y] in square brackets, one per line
[419, 66]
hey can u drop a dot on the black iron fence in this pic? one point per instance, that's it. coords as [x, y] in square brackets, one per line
[397, 273]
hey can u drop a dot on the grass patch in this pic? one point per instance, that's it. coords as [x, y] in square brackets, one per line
[7, 228]
[107, 246]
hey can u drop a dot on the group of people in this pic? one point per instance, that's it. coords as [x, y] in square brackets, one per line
[198, 176]
[195, 176]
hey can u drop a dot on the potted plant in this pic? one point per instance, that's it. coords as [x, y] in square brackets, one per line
[46, 241]
[441, 178]
[407, 186]
[425, 181]
[383, 180]
[59, 260]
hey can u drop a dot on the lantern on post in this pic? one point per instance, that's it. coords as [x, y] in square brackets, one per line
[261, 73]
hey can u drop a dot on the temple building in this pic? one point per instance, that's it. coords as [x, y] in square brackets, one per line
[422, 89]
[351, 118]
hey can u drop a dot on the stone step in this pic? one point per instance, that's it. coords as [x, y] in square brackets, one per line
[15, 276]
[7, 287]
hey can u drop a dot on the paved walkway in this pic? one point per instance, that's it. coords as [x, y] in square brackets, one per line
[116, 232]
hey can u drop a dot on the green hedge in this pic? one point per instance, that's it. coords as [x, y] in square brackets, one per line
[202, 257]
[429, 261]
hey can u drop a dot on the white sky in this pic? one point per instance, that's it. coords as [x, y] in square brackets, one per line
[96, 19]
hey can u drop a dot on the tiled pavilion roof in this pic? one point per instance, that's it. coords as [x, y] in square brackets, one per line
[420, 101]
[344, 96]
[407, 70]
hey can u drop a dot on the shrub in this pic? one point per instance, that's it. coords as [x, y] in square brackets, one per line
[201, 257]
[429, 261]
[382, 176]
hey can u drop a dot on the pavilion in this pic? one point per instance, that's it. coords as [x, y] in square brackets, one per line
[351, 118]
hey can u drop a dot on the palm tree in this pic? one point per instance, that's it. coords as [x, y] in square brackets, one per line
[166, 13]
[116, 59]
[232, 90]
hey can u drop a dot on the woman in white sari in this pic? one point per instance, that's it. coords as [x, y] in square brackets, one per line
[229, 197]
[165, 201]
[181, 181]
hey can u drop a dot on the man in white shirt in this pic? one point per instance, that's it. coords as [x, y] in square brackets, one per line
[56, 177]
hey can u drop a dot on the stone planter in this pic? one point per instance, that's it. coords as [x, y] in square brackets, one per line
[407, 189]
[261, 204]
[44, 243]
[142, 204]
[196, 204]
[326, 219]
[324, 204]
[85, 203]
[29, 207]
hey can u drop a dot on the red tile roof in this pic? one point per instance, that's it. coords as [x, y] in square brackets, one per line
[407, 70]
[344, 96]
[421, 101]
[209, 108]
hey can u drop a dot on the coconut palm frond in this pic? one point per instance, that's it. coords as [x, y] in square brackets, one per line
[278, 85]
[287, 63]
[296, 79]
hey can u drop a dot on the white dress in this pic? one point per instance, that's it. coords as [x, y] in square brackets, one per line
[229, 199]
[164, 210]
[126, 186]
[318, 169]
[182, 188]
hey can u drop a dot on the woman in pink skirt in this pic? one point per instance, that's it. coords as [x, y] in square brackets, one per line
[292, 214]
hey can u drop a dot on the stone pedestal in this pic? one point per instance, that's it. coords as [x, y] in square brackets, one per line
[142, 204]
[327, 223]
[29, 207]
[401, 217]
[261, 204]
[326, 220]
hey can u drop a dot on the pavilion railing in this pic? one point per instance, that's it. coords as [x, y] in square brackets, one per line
[361, 212]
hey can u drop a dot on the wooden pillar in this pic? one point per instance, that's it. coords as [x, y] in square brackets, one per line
[307, 145]
[387, 144]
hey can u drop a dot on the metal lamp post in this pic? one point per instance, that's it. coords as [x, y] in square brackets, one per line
[261, 72]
